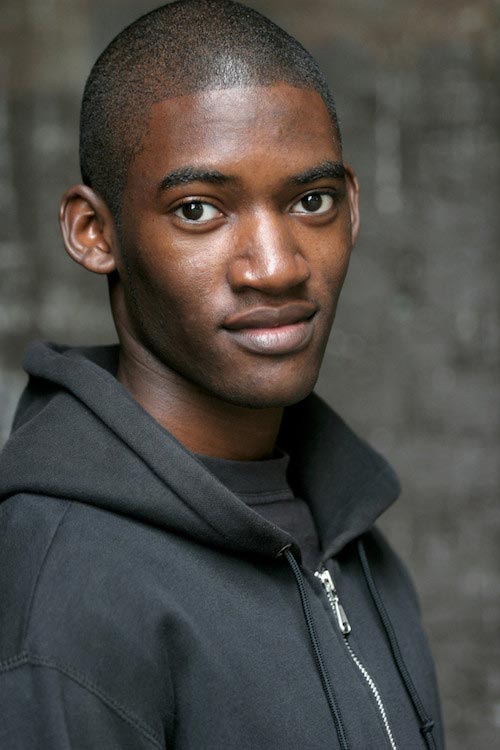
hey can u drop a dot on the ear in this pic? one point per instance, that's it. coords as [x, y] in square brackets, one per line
[88, 229]
[352, 186]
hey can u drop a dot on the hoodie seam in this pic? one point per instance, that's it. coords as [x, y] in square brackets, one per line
[126, 715]
[283, 494]
[26, 656]
[40, 571]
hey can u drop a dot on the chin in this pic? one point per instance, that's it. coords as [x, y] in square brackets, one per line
[271, 395]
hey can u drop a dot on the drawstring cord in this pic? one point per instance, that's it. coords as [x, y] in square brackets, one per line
[325, 677]
[426, 723]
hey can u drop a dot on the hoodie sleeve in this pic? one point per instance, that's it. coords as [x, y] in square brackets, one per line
[43, 708]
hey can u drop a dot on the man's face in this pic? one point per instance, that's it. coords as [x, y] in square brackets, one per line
[236, 236]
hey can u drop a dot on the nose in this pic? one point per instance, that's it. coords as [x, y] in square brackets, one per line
[266, 255]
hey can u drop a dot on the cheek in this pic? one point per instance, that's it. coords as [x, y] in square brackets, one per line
[176, 288]
[330, 268]
[340, 252]
[182, 259]
[328, 252]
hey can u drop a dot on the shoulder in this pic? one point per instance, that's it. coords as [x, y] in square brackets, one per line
[77, 599]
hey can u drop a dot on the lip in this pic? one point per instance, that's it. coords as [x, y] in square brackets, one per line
[274, 330]
[271, 317]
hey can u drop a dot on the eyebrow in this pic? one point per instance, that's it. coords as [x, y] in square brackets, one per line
[329, 169]
[188, 174]
[185, 175]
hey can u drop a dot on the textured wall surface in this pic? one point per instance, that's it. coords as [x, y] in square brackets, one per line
[414, 359]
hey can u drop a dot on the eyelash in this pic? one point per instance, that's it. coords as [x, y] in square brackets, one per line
[195, 202]
[335, 195]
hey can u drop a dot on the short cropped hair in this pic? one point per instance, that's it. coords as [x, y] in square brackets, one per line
[180, 48]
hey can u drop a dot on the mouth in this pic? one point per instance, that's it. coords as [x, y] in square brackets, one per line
[274, 330]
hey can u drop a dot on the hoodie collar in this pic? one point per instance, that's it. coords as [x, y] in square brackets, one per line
[79, 435]
[346, 483]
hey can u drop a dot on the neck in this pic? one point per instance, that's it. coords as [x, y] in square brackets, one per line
[201, 422]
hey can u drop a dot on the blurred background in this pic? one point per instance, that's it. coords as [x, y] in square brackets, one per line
[414, 359]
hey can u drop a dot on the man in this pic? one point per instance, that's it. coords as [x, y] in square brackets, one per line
[188, 557]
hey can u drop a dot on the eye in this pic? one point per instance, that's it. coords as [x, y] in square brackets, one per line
[313, 203]
[197, 212]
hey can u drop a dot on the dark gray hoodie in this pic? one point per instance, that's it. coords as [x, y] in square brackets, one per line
[143, 605]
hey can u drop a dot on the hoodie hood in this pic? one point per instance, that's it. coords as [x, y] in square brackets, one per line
[79, 435]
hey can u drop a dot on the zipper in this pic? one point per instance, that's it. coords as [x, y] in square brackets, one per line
[345, 628]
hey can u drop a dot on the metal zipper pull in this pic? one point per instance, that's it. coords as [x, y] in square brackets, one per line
[345, 628]
[331, 592]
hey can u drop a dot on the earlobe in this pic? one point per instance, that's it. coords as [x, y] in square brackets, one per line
[353, 193]
[88, 229]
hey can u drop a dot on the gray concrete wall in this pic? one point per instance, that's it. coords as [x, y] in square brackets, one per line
[413, 362]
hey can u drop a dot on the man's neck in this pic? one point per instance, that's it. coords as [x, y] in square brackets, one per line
[201, 422]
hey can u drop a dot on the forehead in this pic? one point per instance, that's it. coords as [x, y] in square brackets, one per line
[230, 128]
